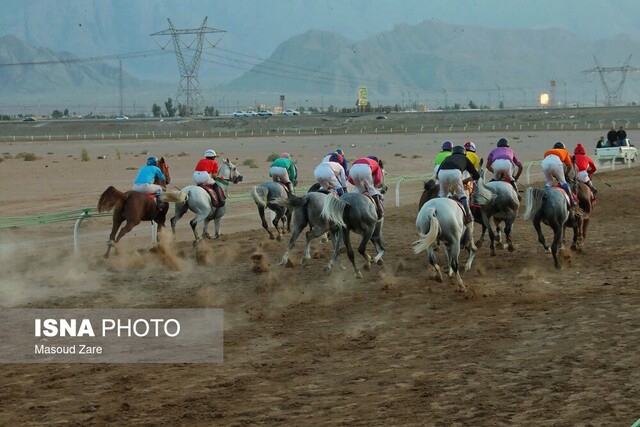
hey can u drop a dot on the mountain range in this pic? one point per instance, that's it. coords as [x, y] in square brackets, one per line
[432, 63]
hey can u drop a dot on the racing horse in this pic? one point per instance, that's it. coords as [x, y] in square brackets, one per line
[497, 200]
[264, 196]
[586, 203]
[197, 200]
[549, 206]
[133, 207]
[306, 212]
[442, 219]
[354, 212]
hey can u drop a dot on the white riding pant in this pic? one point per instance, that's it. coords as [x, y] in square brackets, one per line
[552, 167]
[330, 175]
[583, 176]
[451, 178]
[502, 169]
[147, 188]
[279, 173]
[202, 177]
[362, 178]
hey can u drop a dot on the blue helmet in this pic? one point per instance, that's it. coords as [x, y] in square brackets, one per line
[373, 158]
[447, 146]
[152, 161]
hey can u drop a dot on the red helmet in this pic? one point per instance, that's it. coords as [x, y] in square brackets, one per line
[470, 146]
[579, 149]
[285, 156]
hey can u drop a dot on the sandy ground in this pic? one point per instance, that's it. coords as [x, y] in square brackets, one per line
[530, 346]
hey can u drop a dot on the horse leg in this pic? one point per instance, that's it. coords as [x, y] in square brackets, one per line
[217, 220]
[118, 219]
[454, 254]
[300, 225]
[536, 225]
[310, 235]
[585, 224]
[434, 263]
[336, 250]
[279, 215]
[127, 228]
[486, 220]
[480, 241]
[181, 209]
[557, 236]
[264, 222]
[507, 232]
[194, 223]
[350, 254]
[362, 248]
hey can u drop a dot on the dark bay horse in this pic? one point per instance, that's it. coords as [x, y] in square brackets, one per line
[132, 207]
[586, 203]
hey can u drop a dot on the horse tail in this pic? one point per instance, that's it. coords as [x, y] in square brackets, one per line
[259, 195]
[534, 198]
[333, 211]
[110, 198]
[482, 194]
[428, 239]
[175, 196]
[292, 202]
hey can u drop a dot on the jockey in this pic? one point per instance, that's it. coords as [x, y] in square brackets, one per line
[501, 161]
[207, 171]
[366, 174]
[331, 176]
[450, 175]
[338, 157]
[146, 175]
[446, 152]
[586, 167]
[552, 167]
[284, 170]
[470, 147]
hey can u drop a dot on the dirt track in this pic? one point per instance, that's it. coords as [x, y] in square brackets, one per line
[531, 346]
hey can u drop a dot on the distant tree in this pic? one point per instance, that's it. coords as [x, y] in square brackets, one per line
[501, 105]
[301, 110]
[66, 112]
[456, 106]
[171, 110]
[473, 105]
[331, 109]
[183, 111]
[209, 111]
[156, 110]
[57, 114]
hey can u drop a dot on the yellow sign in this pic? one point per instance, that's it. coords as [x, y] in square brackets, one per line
[362, 96]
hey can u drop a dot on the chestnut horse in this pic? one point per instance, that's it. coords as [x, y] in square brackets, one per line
[133, 207]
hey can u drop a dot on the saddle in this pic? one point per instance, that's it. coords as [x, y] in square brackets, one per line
[466, 219]
[566, 196]
[217, 200]
[286, 189]
[378, 205]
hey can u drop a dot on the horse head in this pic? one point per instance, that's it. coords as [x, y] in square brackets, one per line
[382, 186]
[164, 168]
[231, 170]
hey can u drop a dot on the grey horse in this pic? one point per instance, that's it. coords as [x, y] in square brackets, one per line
[442, 219]
[354, 212]
[306, 212]
[264, 196]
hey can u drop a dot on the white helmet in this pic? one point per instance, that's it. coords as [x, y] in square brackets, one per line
[210, 153]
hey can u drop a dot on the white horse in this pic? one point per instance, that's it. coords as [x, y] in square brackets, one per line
[442, 219]
[196, 199]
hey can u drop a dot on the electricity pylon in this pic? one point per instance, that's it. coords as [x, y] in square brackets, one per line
[189, 86]
[614, 94]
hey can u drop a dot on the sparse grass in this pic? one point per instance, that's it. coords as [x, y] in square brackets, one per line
[183, 154]
[50, 153]
[398, 154]
[144, 152]
[131, 168]
[118, 156]
[1, 160]
[27, 157]
[272, 157]
[251, 163]
[7, 156]
[415, 156]
[84, 156]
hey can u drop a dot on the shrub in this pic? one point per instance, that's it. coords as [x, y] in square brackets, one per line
[398, 154]
[84, 156]
[27, 157]
[415, 156]
[272, 157]
[182, 154]
[118, 153]
[251, 163]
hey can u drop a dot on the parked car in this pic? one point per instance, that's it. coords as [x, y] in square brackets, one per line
[265, 113]
[240, 114]
[381, 118]
[622, 151]
[251, 114]
[28, 119]
[289, 112]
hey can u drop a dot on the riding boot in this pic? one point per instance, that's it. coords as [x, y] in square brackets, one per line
[218, 191]
[593, 188]
[379, 207]
[289, 187]
[572, 201]
[159, 203]
[467, 212]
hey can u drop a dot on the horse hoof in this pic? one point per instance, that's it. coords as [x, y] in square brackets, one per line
[327, 270]
[380, 262]
[479, 243]
[303, 261]
[367, 266]
[324, 240]
[511, 248]
[278, 238]
[271, 237]
[358, 275]
[493, 253]
[281, 262]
